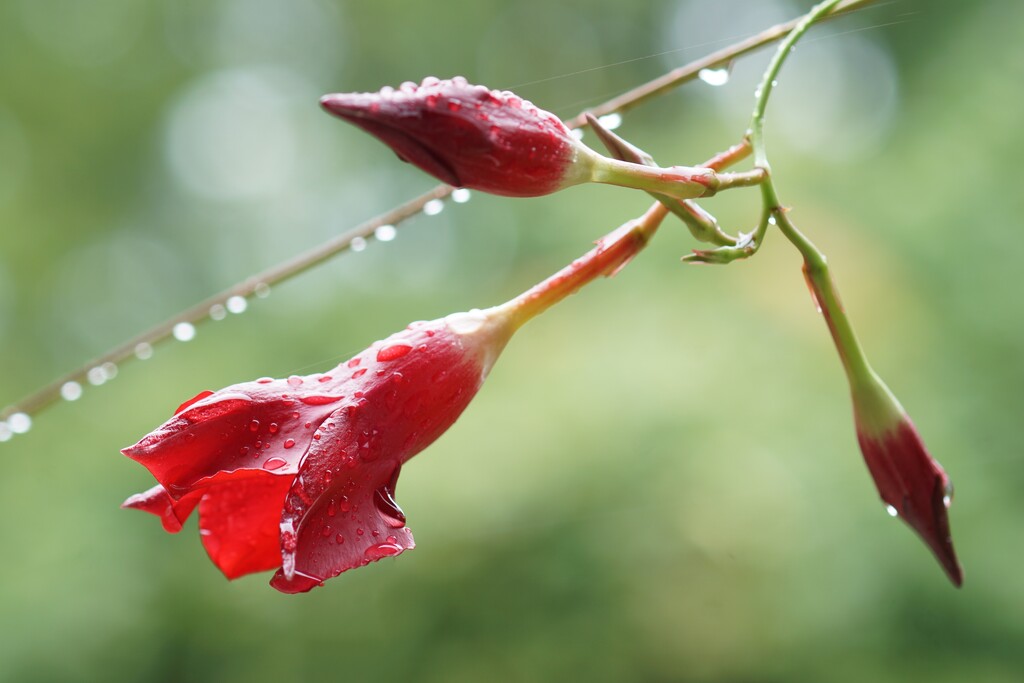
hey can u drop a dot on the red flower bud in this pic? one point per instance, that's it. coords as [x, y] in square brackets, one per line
[300, 474]
[469, 136]
[912, 484]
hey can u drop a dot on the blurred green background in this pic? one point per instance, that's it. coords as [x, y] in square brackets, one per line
[660, 480]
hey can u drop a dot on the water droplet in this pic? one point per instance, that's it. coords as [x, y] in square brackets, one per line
[460, 195]
[385, 233]
[289, 443]
[71, 391]
[611, 121]
[244, 450]
[393, 352]
[262, 290]
[184, 332]
[273, 428]
[319, 400]
[466, 323]
[96, 376]
[382, 550]
[19, 423]
[339, 539]
[389, 510]
[358, 373]
[254, 426]
[295, 381]
[325, 378]
[774, 83]
[454, 105]
[576, 133]
[109, 371]
[357, 244]
[274, 464]
[947, 494]
[143, 351]
[893, 512]
[237, 304]
[359, 532]
[344, 505]
[218, 312]
[354, 362]
[433, 207]
[5, 432]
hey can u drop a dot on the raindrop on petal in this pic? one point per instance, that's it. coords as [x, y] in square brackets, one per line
[893, 512]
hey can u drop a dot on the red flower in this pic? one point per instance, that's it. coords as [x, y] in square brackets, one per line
[300, 474]
[471, 136]
[912, 484]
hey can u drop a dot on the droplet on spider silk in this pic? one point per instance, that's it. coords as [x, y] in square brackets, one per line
[218, 312]
[261, 290]
[461, 195]
[357, 244]
[143, 351]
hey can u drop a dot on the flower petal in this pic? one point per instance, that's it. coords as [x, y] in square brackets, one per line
[239, 519]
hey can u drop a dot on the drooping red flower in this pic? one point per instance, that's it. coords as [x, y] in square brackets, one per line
[495, 141]
[912, 484]
[299, 474]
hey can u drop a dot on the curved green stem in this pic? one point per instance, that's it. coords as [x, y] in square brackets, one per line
[764, 90]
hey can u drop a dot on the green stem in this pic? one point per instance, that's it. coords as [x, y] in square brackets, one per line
[826, 296]
[764, 90]
[816, 269]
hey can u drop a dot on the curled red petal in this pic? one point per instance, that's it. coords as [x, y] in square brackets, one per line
[156, 501]
[915, 486]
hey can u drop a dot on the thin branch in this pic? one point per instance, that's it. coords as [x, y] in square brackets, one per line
[260, 282]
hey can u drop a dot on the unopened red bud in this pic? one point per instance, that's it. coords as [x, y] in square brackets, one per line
[469, 136]
[911, 483]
